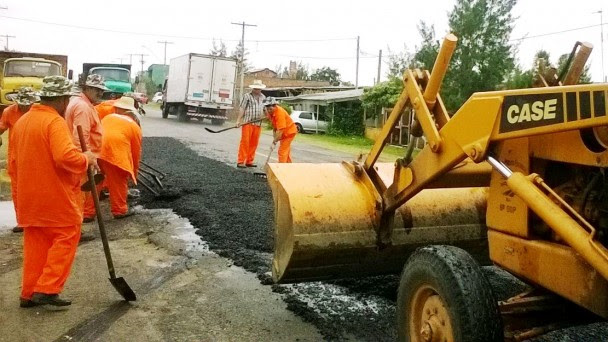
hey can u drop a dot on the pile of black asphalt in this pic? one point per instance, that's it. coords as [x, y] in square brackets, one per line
[232, 211]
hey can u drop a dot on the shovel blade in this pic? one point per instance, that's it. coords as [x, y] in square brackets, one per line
[120, 284]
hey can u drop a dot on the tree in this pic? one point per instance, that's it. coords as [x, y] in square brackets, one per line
[326, 74]
[426, 53]
[239, 51]
[585, 75]
[302, 72]
[398, 62]
[218, 50]
[484, 56]
[383, 94]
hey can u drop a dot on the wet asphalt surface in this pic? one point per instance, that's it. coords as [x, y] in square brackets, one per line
[233, 212]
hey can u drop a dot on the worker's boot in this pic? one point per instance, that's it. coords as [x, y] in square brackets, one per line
[52, 301]
[17, 229]
[130, 212]
[26, 303]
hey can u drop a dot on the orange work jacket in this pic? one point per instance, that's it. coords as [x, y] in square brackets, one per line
[121, 143]
[81, 112]
[281, 120]
[10, 115]
[105, 108]
[47, 170]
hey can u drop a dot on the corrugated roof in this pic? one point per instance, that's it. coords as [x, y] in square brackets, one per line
[336, 96]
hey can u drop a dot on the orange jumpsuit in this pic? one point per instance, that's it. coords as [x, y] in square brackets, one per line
[120, 155]
[47, 170]
[10, 115]
[105, 108]
[282, 121]
[81, 112]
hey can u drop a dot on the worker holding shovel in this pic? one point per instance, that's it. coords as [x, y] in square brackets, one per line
[120, 153]
[47, 169]
[284, 128]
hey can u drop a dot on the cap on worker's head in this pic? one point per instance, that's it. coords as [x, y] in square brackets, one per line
[54, 86]
[127, 103]
[25, 96]
[270, 101]
[95, 81]
[257, 84]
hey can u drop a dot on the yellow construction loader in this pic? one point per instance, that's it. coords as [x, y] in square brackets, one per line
[514, 177]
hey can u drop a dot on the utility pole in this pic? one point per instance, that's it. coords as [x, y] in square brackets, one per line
[165, 42]
[7, 37]
[600, 12]
[357, 72]
[142, 62]
[242, 64]
[379, 66]
[131, 57]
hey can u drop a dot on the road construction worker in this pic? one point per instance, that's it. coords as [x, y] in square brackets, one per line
[24, 99]
[251, 109]
[48, 169]
[284, 128]
[120, 154]
[81, 112]
[105, 108]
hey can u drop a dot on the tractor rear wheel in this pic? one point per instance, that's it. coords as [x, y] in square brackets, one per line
[445, 297]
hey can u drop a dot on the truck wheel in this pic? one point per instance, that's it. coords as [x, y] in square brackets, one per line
[217, 122]
[444, 296]
[182, 114]
[165, 111]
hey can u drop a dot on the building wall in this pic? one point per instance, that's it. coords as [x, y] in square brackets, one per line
[273, 82]
[266, 73]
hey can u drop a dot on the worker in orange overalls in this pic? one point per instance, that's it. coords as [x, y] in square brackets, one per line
[24, 99]
[120, 154]
[284, 128]
[251, 109]
[81, 112]
[47, 170]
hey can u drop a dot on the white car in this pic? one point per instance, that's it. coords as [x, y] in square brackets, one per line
[306, 121]
[158, 97]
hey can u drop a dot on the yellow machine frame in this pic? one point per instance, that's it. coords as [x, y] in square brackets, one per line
[504, 129]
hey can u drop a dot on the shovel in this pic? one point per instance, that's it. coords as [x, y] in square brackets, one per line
[232, 127]
[119, 283]
[263, 174]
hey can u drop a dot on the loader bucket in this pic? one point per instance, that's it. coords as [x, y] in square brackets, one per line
[324, 223]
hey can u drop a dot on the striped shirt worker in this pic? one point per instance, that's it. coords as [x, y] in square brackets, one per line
[253, 107]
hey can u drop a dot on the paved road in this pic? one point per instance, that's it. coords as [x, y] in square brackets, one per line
[224, 146]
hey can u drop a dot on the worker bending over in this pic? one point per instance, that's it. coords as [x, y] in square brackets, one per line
[24, 99]
[284, 128]
[47, 169]
[81, 112]
[120, 154]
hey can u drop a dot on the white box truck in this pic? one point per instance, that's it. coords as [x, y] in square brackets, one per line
[200, 86]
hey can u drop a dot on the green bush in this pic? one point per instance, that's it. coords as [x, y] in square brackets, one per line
[347, 120]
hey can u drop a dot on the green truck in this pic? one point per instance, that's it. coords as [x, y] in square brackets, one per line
[117, 77]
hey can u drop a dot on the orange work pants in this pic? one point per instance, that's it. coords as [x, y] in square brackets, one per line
[89, 204]
[285, 149]
[48, 254]
[117, 181]
[250, 137]
[14, 193]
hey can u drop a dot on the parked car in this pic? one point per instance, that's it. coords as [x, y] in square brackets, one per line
[141, 97]
[307, 121]
[158, 97]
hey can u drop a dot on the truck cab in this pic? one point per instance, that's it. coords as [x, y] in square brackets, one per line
[25, 71]
[116, 79]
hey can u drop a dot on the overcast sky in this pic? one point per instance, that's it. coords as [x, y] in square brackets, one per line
[317, 33]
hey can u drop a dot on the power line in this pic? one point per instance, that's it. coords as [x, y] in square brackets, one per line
[556, 32]
[171, 36]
